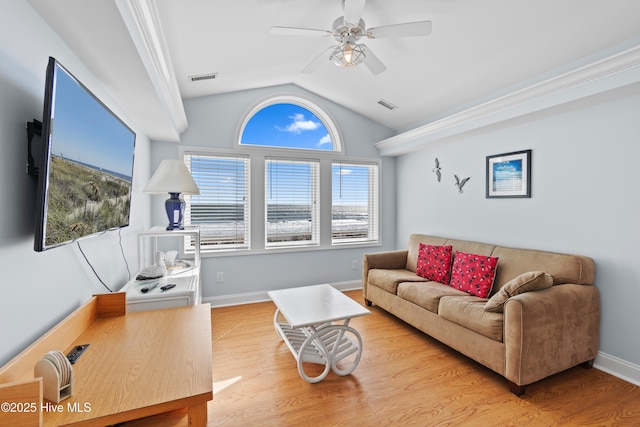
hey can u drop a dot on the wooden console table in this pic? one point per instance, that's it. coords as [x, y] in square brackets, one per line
[137, 365]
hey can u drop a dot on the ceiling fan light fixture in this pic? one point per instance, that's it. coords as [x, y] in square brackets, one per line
[348, 55]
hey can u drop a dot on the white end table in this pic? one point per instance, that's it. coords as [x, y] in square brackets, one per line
[188, 289]
[311, 331]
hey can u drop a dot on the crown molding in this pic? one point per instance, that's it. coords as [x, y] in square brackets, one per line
[143, 23]
[600, 76]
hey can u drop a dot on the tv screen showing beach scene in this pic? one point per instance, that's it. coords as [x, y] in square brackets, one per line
[89, 164]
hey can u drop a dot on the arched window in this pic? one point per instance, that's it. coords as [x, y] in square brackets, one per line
[290, 122]
[289, 153]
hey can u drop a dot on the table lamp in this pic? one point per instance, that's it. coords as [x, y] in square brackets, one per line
[173, 177]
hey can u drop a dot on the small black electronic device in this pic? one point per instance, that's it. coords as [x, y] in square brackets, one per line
[150, 286]
[76, 352]
[167, 287]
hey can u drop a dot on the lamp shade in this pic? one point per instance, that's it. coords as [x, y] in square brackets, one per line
[172, 176]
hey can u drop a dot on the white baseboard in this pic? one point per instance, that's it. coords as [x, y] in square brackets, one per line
[618, 368]
[615, 366]
[262, 296]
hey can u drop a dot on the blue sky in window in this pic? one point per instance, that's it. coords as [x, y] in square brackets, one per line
[85, 131]
[350, 185]
[292, 126]
[286, 125]
[220, 180]
[290, 182]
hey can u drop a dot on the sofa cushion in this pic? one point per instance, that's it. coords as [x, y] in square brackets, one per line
[530, 281]
[564, 268]
[471, 247]
[434, 263]
[473, 273]
[426, 295]
[388, 279]
[468, 311]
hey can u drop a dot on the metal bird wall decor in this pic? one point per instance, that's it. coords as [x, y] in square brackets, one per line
[437, 169]
[461, 184]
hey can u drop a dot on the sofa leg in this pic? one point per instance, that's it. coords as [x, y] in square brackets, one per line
[368, 303]
[516, 389]
[588, 364]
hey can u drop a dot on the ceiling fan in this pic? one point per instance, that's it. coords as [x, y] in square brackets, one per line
[348, 30]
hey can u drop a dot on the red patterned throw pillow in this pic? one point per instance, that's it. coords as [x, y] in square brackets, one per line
[434, 263]
[473, 273]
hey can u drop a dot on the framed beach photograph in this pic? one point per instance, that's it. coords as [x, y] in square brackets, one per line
[509, 175]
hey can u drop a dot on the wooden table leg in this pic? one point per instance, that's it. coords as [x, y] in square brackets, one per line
[198, 415]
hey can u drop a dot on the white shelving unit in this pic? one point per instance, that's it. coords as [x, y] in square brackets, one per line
[185, 275]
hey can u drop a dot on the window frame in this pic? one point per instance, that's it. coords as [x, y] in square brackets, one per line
[258, 156]
[314, 194]
[257, 205]
[326, 119]
[187, 245]
[373, 203]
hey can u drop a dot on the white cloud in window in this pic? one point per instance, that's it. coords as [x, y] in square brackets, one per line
[344, 171]
[324, 140]
[299, 124]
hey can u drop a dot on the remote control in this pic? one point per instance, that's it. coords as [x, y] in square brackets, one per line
[76, 353]
[167, 287]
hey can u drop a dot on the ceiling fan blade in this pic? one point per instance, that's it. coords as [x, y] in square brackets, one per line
[352, 12]
[410, 29]
[292, 31]
[372, 62]
[319, 60]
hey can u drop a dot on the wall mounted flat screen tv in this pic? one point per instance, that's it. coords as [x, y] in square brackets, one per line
[84, 164]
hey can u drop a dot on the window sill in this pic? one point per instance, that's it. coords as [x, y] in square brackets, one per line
[289, 249]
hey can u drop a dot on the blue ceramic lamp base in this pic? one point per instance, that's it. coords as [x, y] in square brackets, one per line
[175, 211]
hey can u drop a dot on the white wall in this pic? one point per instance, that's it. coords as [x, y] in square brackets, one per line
[585, 199]
[214, 122]
[39, 289]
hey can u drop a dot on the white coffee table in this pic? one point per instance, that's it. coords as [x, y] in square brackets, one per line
[310, 329]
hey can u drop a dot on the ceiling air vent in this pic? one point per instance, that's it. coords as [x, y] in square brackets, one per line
[387, 104]
[210, 76]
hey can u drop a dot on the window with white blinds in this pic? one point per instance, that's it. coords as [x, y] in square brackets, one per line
[291, 199]
[354, 207]
[221, 210]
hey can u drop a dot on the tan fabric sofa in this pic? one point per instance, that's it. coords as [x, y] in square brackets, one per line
[540, 333]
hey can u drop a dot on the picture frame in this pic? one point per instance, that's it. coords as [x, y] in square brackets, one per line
[509, 175]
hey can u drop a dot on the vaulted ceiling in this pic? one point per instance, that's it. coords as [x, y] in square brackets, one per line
[145, 51]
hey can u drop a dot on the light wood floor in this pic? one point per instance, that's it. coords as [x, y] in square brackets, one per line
[404, 378]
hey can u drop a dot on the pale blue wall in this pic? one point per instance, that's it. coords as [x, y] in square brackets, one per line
[214, 121]
[585, 197]
[39, 289]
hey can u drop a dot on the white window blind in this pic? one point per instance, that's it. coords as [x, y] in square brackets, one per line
[222, 207]
[291, 199]
[354, 208]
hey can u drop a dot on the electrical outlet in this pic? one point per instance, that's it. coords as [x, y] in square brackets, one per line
[354, 264]
[220, 277]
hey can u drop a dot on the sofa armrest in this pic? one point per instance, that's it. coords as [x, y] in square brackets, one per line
[388, 260]
[391, 259]
[548, 331]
